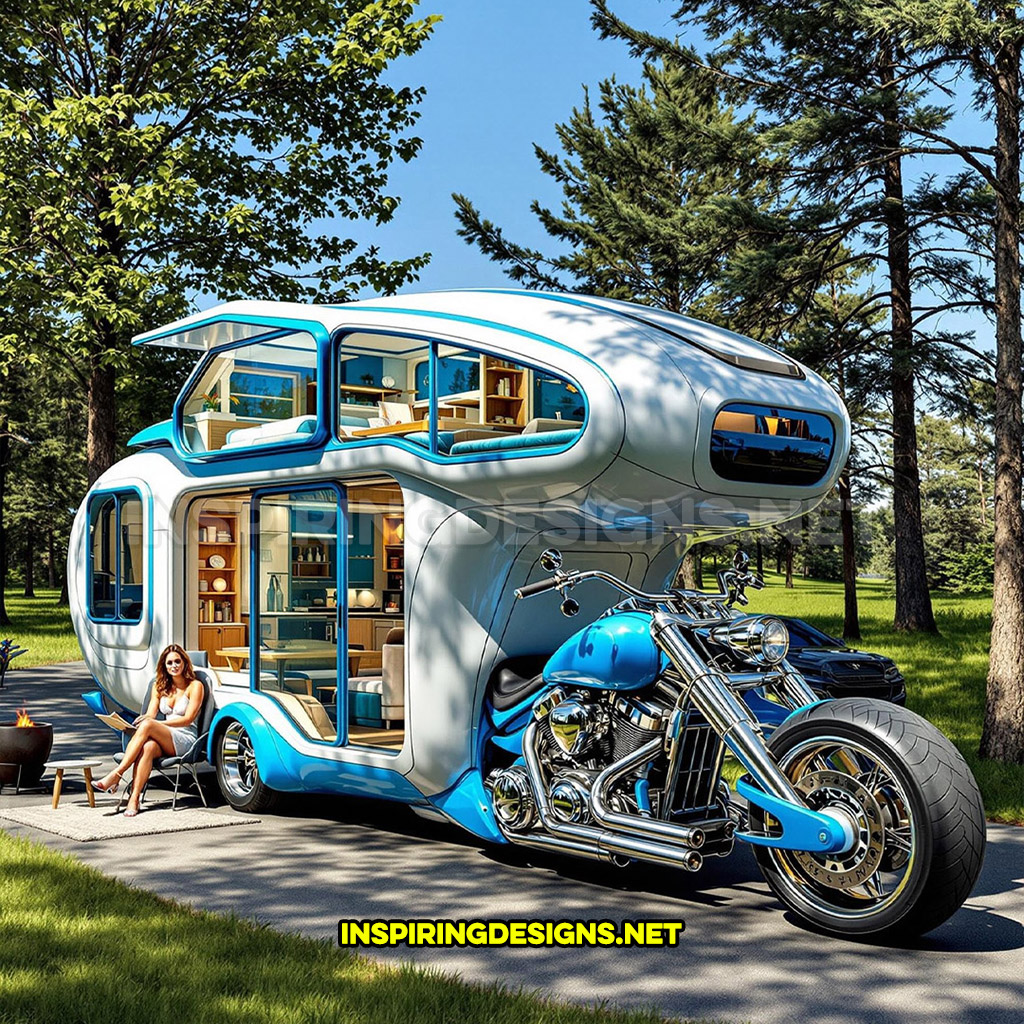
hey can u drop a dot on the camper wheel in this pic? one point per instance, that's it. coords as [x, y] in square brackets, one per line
[238, 774]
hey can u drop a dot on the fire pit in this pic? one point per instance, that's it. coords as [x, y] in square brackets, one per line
[24, 748]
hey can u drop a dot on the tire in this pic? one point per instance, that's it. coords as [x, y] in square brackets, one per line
[237, 773]
[919, 820]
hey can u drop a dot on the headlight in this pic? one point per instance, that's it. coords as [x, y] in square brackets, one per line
[764, 639]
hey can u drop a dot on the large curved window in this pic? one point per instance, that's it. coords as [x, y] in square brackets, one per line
[770, 445]
[452, 400]
[255, 394]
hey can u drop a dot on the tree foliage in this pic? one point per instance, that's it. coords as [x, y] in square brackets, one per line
[152, 152]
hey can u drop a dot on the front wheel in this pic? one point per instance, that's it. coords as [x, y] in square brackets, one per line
[237, 773]
[916, 813]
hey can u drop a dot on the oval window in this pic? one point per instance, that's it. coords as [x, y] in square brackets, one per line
[769, 445]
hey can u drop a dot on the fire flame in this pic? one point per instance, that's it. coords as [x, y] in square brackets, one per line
[23, 721]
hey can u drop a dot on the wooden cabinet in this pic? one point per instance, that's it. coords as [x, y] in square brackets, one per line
[505, 395]
[394, 563]
[360, 633]
[216, 637]
[219, 575]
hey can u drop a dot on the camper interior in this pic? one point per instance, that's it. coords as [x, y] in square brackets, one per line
[267, 564]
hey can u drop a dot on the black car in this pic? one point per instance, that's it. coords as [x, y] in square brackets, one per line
[834, 670]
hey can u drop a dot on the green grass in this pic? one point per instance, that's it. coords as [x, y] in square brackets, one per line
[41, 625]
[83, 947]
[945, 675]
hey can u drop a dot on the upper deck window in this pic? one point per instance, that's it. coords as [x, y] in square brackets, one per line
[116, 554]
[767, 445]
[452, 400]
[259, 393]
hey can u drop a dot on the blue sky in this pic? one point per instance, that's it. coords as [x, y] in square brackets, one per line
[499, 76]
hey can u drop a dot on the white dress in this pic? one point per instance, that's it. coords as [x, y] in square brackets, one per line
[183, 735]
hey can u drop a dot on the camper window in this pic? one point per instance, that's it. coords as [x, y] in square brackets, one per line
[763, 444]
[115, 592]
[254, 394]
[451, 400]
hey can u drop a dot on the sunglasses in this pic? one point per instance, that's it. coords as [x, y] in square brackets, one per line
[174, 661]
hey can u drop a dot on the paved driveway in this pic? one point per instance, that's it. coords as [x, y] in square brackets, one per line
[740, 958]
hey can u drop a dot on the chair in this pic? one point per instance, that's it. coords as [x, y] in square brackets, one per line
[380, 701]
[196, 754]
[397, 412]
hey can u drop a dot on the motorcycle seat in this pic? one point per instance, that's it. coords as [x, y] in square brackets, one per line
[516, 679]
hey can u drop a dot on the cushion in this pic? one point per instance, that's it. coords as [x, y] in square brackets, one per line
[268, 433]
[540, 425]
[365, 684]
[514, 442]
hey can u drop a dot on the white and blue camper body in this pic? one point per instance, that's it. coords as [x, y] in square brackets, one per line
[619, 433]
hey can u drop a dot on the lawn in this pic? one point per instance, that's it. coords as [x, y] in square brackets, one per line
[945, 674]
[80, 946]
[41, 625]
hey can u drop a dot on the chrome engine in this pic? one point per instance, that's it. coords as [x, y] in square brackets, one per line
[617, 777]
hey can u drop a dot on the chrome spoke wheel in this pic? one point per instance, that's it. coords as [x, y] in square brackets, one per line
[237, 763]
[848, 780]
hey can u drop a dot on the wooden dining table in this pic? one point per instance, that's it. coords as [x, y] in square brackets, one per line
[322, 651]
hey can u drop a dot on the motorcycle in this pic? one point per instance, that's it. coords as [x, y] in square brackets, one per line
[863, 818]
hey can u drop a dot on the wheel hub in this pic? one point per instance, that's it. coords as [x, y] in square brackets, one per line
[835, 792]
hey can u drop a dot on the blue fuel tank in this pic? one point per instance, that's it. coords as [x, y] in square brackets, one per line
[614, 653]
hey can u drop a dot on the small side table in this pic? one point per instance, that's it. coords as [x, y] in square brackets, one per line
[85, 767]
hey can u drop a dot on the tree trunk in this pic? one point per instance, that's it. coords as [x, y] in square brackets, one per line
[102, 433]
[1002, 736]
[789, 563]
[698, 569]
[913, 602]
[51, 578]
[760, 557]
[686, 575]
[851, 617]
[5, 445]
[30, 558]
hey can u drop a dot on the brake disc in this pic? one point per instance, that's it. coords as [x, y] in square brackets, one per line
[826, 791]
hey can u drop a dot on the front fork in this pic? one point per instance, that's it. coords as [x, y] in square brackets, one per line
[710, 693]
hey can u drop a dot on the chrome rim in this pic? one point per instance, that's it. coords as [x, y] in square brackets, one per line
[237, 762]
[844, 778]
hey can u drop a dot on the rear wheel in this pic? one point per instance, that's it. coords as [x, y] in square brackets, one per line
[238, 774]
[915, 812]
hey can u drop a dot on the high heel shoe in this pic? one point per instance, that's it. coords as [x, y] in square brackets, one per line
[131, 812]
[109, 787]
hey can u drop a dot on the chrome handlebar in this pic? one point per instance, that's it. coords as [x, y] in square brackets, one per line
[732, 583]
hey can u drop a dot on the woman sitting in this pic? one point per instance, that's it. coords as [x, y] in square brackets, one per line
[178, 696]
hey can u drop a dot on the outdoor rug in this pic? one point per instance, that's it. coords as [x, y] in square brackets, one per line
[89, 824]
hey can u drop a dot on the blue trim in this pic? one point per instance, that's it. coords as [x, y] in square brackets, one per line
[283, 768]
[432, 398]
[467, 803]
[472, 346]
[804, 707]
[157, 435]
[802, 828]
[146, 508]
[265, 452]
